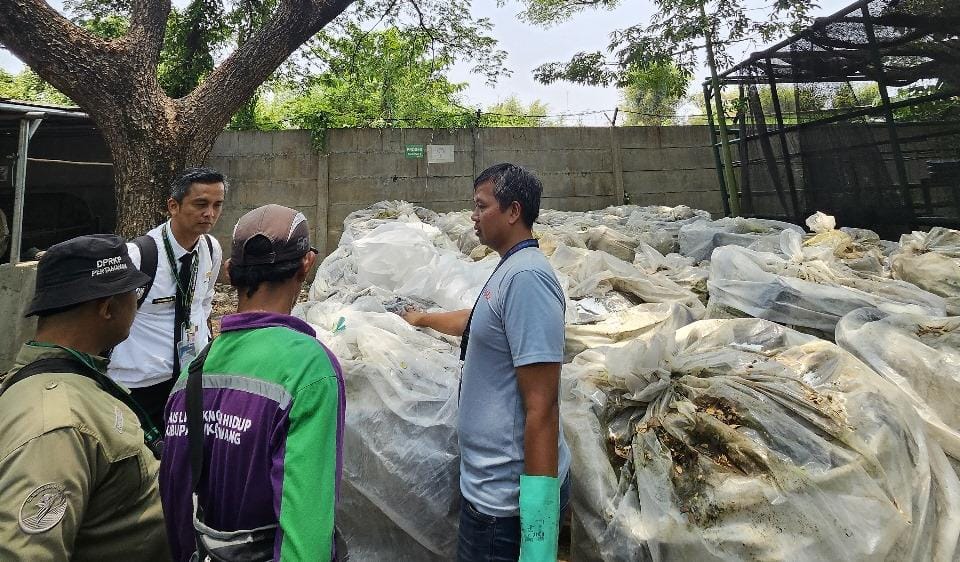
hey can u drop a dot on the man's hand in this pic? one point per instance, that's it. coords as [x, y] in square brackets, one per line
[413, 317]
[450, 323]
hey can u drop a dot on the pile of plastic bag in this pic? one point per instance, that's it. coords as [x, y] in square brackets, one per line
[399, 492]
[931, 261]
[681, 270]
[619, 230]
[615, 301]
[859, 249]
[740, 438]
[745, 440]
[698, 240]
[919, 354]
[804, 287]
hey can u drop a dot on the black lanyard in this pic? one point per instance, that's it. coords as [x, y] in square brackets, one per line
[528, 243]
[184, 294]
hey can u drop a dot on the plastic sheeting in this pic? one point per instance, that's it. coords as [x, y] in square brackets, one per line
[681, 270]
[931, 260]
[758, 442]
[614, 301]
[859, 249]
[619, 230]
[810, 289]
[404, 258]
[919, 354]
[399, 492]
[698, 240]
[744, 440]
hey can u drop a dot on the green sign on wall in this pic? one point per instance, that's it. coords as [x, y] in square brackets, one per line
[413, 150]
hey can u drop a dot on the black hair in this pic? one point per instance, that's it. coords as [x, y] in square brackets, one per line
[181, 186]
[249, 277]
[514, 183]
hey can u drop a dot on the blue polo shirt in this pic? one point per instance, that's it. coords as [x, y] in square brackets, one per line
[518, 320]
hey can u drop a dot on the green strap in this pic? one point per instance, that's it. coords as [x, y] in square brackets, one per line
[185, 293]
[539, 518]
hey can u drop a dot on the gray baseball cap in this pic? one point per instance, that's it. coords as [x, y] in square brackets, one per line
[270, 234]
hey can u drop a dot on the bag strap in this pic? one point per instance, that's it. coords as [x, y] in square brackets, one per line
[209, 242]
[148, 262]
[194, 411]
[48, 365]
[152, 437]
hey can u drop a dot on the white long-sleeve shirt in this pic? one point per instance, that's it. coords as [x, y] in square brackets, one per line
[145, 358]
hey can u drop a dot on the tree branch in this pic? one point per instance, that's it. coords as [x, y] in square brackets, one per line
[422, 23]
[53, 47]
[231, 84]
[148, 23]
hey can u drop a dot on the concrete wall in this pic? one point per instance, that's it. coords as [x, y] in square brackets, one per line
[269, 167]
[582, 168]
[16, 292]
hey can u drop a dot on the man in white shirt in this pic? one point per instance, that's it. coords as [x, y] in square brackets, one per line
[172, 323]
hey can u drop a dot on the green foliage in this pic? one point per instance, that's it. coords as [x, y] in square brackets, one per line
[511, 112]
[422, 41]
[191, 40]
[268, 110]
[105, 18]
[675, 35]
[193, 37]
[810, 98]
[448, 24]
[931, 111]
[27, 86]
[859, 95]
[549, 12]
[653, 93]
[386, 78]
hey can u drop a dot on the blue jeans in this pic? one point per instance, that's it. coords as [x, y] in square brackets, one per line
[485, 538]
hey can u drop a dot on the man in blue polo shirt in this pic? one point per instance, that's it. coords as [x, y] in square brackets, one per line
[514, 460]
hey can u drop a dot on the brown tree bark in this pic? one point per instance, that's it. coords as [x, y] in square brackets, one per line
[151, 137]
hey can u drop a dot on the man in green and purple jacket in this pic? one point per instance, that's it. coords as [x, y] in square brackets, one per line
[273, 407]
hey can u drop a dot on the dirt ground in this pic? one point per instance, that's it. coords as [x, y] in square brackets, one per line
[225, 302]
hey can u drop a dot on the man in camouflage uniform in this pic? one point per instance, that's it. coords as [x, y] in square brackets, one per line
[77, 479]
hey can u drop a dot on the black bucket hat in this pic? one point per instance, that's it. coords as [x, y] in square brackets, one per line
[83, 269]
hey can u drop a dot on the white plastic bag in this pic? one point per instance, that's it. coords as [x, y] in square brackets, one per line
[919, 354]
[400, 483]
[699, 239]
[931, 261]
[809, 289]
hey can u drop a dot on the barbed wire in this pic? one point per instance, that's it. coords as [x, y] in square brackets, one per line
[481, 114]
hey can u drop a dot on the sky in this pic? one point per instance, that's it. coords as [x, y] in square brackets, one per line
[529, 46]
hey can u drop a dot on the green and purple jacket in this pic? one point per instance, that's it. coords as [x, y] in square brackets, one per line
[274, 404]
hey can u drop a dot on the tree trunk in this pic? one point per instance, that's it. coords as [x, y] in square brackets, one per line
[144, 166]
[150, 136]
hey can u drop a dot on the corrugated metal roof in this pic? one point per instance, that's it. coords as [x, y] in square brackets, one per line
[20, 107]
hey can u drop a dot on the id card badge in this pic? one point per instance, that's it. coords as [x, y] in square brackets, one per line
[187, 347]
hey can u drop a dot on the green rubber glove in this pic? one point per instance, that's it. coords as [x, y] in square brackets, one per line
[539, 518]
